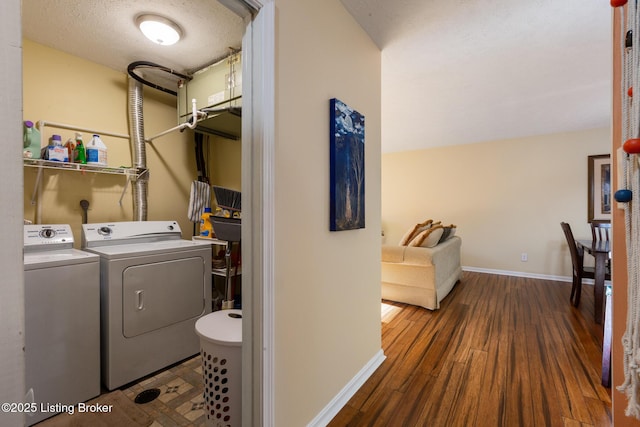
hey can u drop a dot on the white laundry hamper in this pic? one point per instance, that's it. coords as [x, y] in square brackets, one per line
[220, 335]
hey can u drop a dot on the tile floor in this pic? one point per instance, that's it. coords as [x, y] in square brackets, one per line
[181, 399]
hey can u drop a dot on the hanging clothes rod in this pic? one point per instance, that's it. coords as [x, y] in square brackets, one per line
[42, 124]
[195, 115]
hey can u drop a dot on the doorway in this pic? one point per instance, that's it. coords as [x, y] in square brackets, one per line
[258, 125]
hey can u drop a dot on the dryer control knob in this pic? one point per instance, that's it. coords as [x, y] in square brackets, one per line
[105, 231]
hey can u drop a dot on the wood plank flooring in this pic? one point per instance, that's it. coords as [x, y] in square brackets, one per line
[501, 351]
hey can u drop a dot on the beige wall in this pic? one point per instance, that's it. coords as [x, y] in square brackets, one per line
[224, 158]
[327, 284]
[65, 89]
[506, 197]
[12, 278]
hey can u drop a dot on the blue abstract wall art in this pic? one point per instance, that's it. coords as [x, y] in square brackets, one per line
[347, 167]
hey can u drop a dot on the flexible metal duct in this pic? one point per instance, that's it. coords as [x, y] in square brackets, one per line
[138, 149]
[136, 130]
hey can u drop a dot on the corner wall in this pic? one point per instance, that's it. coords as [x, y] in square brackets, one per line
[327, 284]
[506, 197]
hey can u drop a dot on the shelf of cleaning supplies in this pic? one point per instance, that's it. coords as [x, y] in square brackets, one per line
[79, 167]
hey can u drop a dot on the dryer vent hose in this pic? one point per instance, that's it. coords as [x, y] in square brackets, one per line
[138, 149]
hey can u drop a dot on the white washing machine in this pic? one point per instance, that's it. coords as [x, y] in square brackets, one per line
[62, 320]
[153, 287]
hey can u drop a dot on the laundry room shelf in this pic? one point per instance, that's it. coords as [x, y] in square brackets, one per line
[216, 242]
[48, 164]
[219, 271]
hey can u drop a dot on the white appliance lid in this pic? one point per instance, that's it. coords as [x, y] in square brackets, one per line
[55, 258]
[149, 248]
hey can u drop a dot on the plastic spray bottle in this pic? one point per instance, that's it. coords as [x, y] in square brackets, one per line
[80, 155]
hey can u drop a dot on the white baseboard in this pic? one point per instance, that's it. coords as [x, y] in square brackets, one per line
[529, 275]
[341, 399]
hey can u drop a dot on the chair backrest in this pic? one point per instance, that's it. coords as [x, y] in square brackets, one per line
[600, 230]
[576, 259]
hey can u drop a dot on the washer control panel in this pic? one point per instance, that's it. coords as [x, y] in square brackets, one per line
[48, 236]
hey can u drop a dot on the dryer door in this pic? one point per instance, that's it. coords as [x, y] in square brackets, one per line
[160, 294]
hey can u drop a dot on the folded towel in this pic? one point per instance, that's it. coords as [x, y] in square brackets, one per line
[200, 198]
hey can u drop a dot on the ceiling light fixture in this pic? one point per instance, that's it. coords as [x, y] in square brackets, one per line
[158, 29]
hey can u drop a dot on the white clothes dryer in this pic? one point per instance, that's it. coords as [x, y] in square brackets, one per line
[62, 321]
[153, 286]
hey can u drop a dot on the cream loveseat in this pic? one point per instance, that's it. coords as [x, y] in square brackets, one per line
[422, 272]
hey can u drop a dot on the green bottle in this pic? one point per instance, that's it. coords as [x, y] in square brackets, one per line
[31, 141]
[80, 155]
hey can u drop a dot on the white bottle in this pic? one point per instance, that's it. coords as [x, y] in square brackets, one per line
[96, 152]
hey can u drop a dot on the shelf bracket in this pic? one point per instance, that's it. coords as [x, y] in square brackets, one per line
[34, 194]
[124, 190]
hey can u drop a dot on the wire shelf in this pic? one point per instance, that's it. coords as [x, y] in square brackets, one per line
[79, 167]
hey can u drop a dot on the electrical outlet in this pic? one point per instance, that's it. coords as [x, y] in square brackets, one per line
[524, 257]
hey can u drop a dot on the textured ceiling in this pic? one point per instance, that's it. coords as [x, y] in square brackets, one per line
[453, 71]
[466, 71]
[105, 32]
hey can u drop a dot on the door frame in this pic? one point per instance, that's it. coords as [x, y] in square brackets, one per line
[258, 231]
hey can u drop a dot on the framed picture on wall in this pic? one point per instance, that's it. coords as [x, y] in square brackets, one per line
[599, 188]
[346, 157]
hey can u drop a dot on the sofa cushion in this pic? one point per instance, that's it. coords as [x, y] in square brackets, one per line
[428, 238]
[449, 231]
[414, 231]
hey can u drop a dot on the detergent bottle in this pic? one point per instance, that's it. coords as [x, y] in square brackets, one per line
[206, 229]
[55, 151]
[30, 141]
[96, 152]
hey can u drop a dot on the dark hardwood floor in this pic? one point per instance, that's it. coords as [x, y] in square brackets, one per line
[501, 351]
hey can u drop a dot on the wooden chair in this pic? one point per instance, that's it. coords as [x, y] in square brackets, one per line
[601, 230]
[579, 270]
